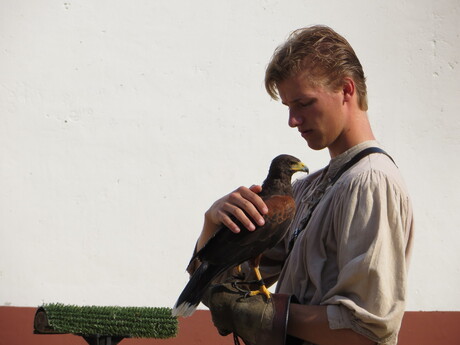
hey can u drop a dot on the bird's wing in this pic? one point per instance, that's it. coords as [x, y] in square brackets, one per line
[228, 247]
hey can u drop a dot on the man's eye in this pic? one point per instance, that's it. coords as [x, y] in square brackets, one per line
[307, 104]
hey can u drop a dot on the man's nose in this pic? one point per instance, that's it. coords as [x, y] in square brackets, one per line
[294, 119]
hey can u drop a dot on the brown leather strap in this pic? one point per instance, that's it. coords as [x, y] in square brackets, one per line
[281, 303]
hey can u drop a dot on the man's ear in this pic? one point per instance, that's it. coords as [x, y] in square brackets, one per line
[348, 89]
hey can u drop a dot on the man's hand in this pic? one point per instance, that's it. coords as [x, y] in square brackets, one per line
[256, 319]
[243, 203]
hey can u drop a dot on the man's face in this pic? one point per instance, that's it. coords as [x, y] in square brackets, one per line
[317, 112]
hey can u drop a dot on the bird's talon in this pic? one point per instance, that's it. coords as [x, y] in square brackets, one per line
[263, 290]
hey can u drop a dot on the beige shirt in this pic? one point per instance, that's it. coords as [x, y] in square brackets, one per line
[353, 255]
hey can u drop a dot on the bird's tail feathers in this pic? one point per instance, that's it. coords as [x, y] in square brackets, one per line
[184, 309]
[195, 289]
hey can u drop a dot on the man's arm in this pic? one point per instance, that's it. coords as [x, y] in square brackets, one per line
[310, 323]
[243, 203]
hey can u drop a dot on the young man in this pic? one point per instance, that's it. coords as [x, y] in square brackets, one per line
[346, 265]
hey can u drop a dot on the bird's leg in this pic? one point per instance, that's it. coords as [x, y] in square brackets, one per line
[238, 273]
[263, 289]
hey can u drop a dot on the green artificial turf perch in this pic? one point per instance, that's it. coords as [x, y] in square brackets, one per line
[123, 322]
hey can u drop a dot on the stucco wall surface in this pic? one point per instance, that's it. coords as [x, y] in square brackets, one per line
[122, 121]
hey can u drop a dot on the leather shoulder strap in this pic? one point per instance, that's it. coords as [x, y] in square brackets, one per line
[360, 155]
[355, 159]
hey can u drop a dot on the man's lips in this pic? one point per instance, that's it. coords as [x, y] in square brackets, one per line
[305, 132]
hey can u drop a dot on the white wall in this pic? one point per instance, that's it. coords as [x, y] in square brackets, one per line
[122, 121]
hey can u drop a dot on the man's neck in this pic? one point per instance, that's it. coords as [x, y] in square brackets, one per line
[359, 130]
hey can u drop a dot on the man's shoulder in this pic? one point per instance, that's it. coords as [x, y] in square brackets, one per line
[375, 169]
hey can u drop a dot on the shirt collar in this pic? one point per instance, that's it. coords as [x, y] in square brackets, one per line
[337, 162]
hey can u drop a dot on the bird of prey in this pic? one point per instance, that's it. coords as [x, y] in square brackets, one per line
[227, 249]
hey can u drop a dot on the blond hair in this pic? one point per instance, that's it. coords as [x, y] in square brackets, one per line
[326, 55]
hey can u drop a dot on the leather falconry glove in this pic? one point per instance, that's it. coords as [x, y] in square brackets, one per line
[255, 319]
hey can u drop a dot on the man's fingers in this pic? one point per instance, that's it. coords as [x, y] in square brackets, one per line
[256, 188]
[236, 212]
[241, 208]
[247, 207]
[251, 194]
[230, 224]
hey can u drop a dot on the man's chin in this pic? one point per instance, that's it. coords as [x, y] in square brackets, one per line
[316, 146]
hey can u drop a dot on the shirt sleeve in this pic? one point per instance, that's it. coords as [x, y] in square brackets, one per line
[372, 222]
